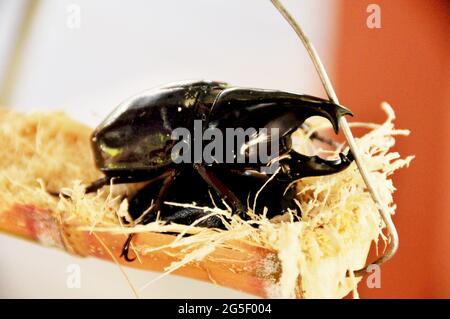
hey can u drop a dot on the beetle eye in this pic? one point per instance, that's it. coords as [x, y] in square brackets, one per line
[117, 138]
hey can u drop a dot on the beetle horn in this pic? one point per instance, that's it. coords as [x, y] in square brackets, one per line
[242, 107]
[333, 112]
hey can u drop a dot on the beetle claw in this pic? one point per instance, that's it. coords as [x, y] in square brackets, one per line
[126, 249]
[315, 165]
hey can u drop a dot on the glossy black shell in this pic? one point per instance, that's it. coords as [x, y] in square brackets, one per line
[135, 139]
[136, 136]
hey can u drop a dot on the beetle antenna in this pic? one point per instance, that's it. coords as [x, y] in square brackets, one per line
[381, 206]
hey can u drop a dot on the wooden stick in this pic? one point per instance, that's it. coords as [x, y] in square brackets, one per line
[241, 266]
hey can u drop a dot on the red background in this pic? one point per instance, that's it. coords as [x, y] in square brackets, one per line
[407, 63]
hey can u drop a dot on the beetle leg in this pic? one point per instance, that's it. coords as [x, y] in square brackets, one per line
[93, 187]
[272, 194]
[189, 215]
[126, 249]
[221, 189]
[168, 181]
[96, 185]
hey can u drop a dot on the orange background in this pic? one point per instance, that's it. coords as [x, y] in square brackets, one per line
[407, 63]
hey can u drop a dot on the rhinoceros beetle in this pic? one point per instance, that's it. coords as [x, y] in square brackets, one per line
[134, 144]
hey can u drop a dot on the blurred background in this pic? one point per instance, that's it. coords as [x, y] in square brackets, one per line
[86, 56]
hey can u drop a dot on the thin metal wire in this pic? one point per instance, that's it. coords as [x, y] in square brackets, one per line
[383, 210]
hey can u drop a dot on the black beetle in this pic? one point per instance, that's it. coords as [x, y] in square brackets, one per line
[134, 144]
